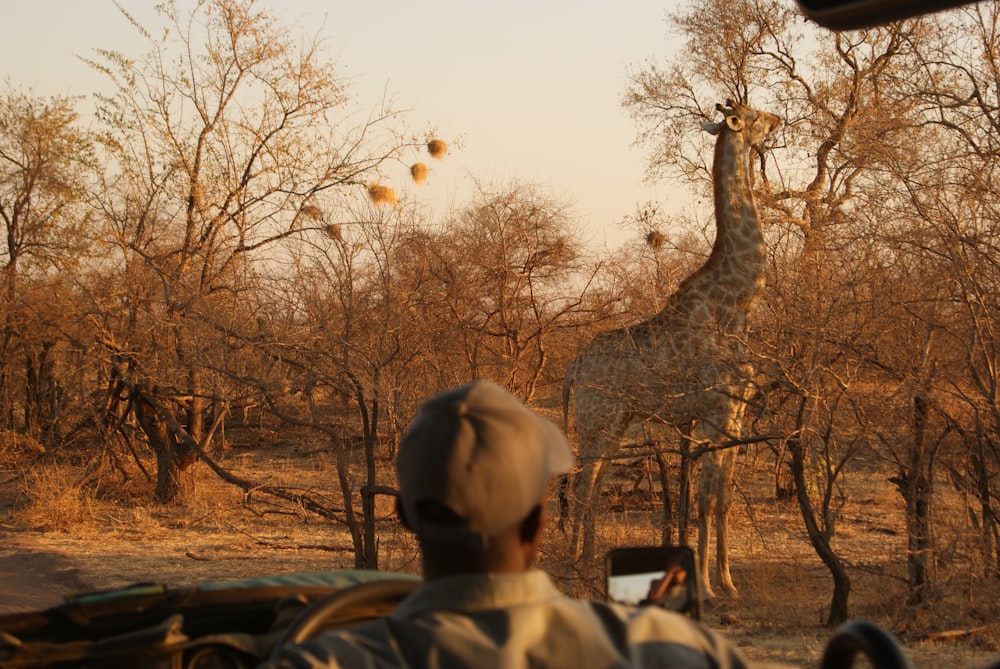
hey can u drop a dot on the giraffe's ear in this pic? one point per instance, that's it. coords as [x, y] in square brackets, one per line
[735, 123]
[710, 128]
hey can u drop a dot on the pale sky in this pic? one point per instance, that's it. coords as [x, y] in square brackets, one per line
[531, 88]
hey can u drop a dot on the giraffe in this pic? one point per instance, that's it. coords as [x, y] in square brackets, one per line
[682, 367]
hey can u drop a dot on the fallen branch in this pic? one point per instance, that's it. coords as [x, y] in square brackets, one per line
[293, 546]
[307, 502]
[202, 558]
[953, 634]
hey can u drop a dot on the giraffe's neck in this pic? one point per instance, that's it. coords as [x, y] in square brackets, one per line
[733, 275]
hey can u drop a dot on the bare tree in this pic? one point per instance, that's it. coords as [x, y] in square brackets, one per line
[839, 95]
[950, 180]
[44, 158]
[343, 352]
[507, 259]
[219, 141]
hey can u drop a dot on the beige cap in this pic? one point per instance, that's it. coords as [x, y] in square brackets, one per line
[479, 452]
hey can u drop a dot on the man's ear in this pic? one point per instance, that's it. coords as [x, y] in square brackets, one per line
[531, 527]
[402, 514]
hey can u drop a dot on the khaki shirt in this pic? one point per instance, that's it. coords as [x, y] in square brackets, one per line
[512, 621]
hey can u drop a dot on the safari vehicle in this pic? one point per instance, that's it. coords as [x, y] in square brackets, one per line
[236, 625]
[226, 624]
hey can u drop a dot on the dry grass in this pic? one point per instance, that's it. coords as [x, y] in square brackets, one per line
[51, 499]
[17, 450]
[116, 537]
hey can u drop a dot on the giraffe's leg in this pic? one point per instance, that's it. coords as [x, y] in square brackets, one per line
[590, 509]
[584, 494]
[724, 494]
[706, 505]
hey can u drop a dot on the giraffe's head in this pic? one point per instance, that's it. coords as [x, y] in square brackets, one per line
[750, 124]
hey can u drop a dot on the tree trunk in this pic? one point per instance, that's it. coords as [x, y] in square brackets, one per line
[990, 522]
[669, 523]
[783, 488]
[41, 401]
[916, 492]
[195, 410]
[684, 492]
[371, 479]
[8, 335]
[916, 487]
[173, 458]
[370, 560]
[820, 538]
[347, 490]
[363, 528]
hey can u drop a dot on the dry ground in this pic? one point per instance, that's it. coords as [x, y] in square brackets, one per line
[54, 541]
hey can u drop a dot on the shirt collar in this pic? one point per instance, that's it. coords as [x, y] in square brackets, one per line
[478, 592]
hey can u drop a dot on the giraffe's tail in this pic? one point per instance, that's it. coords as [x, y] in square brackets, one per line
[568, 382]
[564, 481]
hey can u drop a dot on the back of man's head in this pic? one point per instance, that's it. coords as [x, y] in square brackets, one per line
[474, 464]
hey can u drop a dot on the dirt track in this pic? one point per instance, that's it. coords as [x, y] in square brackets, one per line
[31, 579]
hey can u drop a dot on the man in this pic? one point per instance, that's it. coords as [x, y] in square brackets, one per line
[474, 468]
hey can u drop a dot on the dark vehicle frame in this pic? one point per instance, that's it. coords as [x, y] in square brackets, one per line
[237, 625]
[226, 624]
